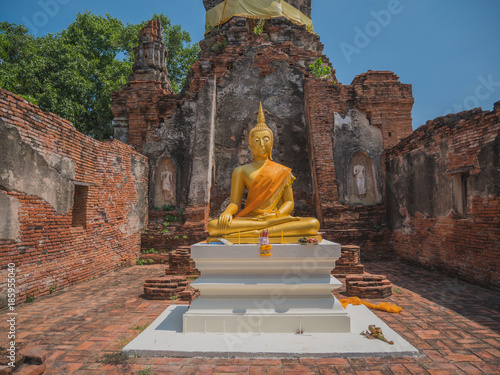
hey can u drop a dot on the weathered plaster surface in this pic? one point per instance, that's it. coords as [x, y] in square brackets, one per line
[26, 171]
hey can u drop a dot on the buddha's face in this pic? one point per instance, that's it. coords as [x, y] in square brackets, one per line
[261, 144]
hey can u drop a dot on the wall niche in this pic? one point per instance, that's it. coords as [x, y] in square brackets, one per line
[362, 186]
[357, 151]
[165, 183]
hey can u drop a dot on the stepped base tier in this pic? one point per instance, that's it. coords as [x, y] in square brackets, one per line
[289, 291]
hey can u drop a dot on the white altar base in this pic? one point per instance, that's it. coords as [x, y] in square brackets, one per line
[277, 306]
[164, 338]
[287, 292]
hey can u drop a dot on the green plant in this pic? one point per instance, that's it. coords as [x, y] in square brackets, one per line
[146, 371]
[173, 298]
[52, 288]
[74, 72]
[113, 358]
[141, 262]
[94, 278]
[310, 29]
[156, 208]
[163, 231]
[176, 237]
[219, 45]
[259, 28]
[397, 291]
[320, 71]
[167, 207]
[140, 328]
[30, 298]
[181, 211]
[185, 237]
[171, 218]
[124, 342]
[151, 261]
[191, 278]
[150, 251]
[208, 27]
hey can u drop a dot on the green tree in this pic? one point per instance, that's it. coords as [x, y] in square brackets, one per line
[73, 73]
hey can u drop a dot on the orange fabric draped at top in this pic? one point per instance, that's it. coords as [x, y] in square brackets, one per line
[271, 178]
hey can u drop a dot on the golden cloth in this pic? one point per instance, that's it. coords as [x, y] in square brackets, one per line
[256, 9]
[267, 189]
[384, 306]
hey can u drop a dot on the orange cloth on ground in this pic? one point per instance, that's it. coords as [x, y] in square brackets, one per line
[267, 188]
[384, 306]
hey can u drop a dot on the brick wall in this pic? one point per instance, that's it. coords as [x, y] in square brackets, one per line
[387, 103]
[231, 79]
[75, 205]
[443, 186]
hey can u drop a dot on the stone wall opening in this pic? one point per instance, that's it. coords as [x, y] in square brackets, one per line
[460, 192]
[80, 197]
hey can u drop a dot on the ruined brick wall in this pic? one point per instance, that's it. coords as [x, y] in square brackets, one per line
[181, 127]
[387, 102]
[337, 136]
[202, 132]
[71, 207]
[443, 185]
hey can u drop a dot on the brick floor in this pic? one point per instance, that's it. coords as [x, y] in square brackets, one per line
[456, 326]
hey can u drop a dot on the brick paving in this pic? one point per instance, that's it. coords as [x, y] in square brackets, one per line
[456, 326]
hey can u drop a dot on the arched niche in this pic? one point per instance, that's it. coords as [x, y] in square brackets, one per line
[165, 183]
[362, 183]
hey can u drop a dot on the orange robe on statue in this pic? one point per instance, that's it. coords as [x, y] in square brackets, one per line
[267, 189]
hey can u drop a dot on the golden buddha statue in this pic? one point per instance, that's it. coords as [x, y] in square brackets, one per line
[269, 201]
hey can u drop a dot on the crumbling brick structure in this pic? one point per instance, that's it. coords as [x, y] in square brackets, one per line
[335, 137]
[322, 128]
[170, 288]
[443, 195]
[349, 262]
[180, 263]
[71, 208]
[368, 286]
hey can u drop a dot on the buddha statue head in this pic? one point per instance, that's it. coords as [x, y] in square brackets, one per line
[260, 138]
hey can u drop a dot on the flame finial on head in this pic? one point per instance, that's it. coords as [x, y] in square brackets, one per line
[261, 121]
[261, 118]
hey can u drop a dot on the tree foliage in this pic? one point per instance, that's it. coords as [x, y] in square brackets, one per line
[73, 73]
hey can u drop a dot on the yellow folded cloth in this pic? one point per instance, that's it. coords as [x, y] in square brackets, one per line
[384, 306]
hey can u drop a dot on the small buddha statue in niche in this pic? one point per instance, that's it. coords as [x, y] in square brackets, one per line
[167, 186]
[360, 176]
[269, 201]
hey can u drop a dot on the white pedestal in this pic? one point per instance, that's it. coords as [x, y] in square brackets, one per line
[288, 292]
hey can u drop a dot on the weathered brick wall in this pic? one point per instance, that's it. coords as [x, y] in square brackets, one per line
[387, 103]
[162, 125]
[236, 70]
[43, 159]
[443, 185]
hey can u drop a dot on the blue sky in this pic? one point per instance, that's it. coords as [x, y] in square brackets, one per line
[449, 50]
